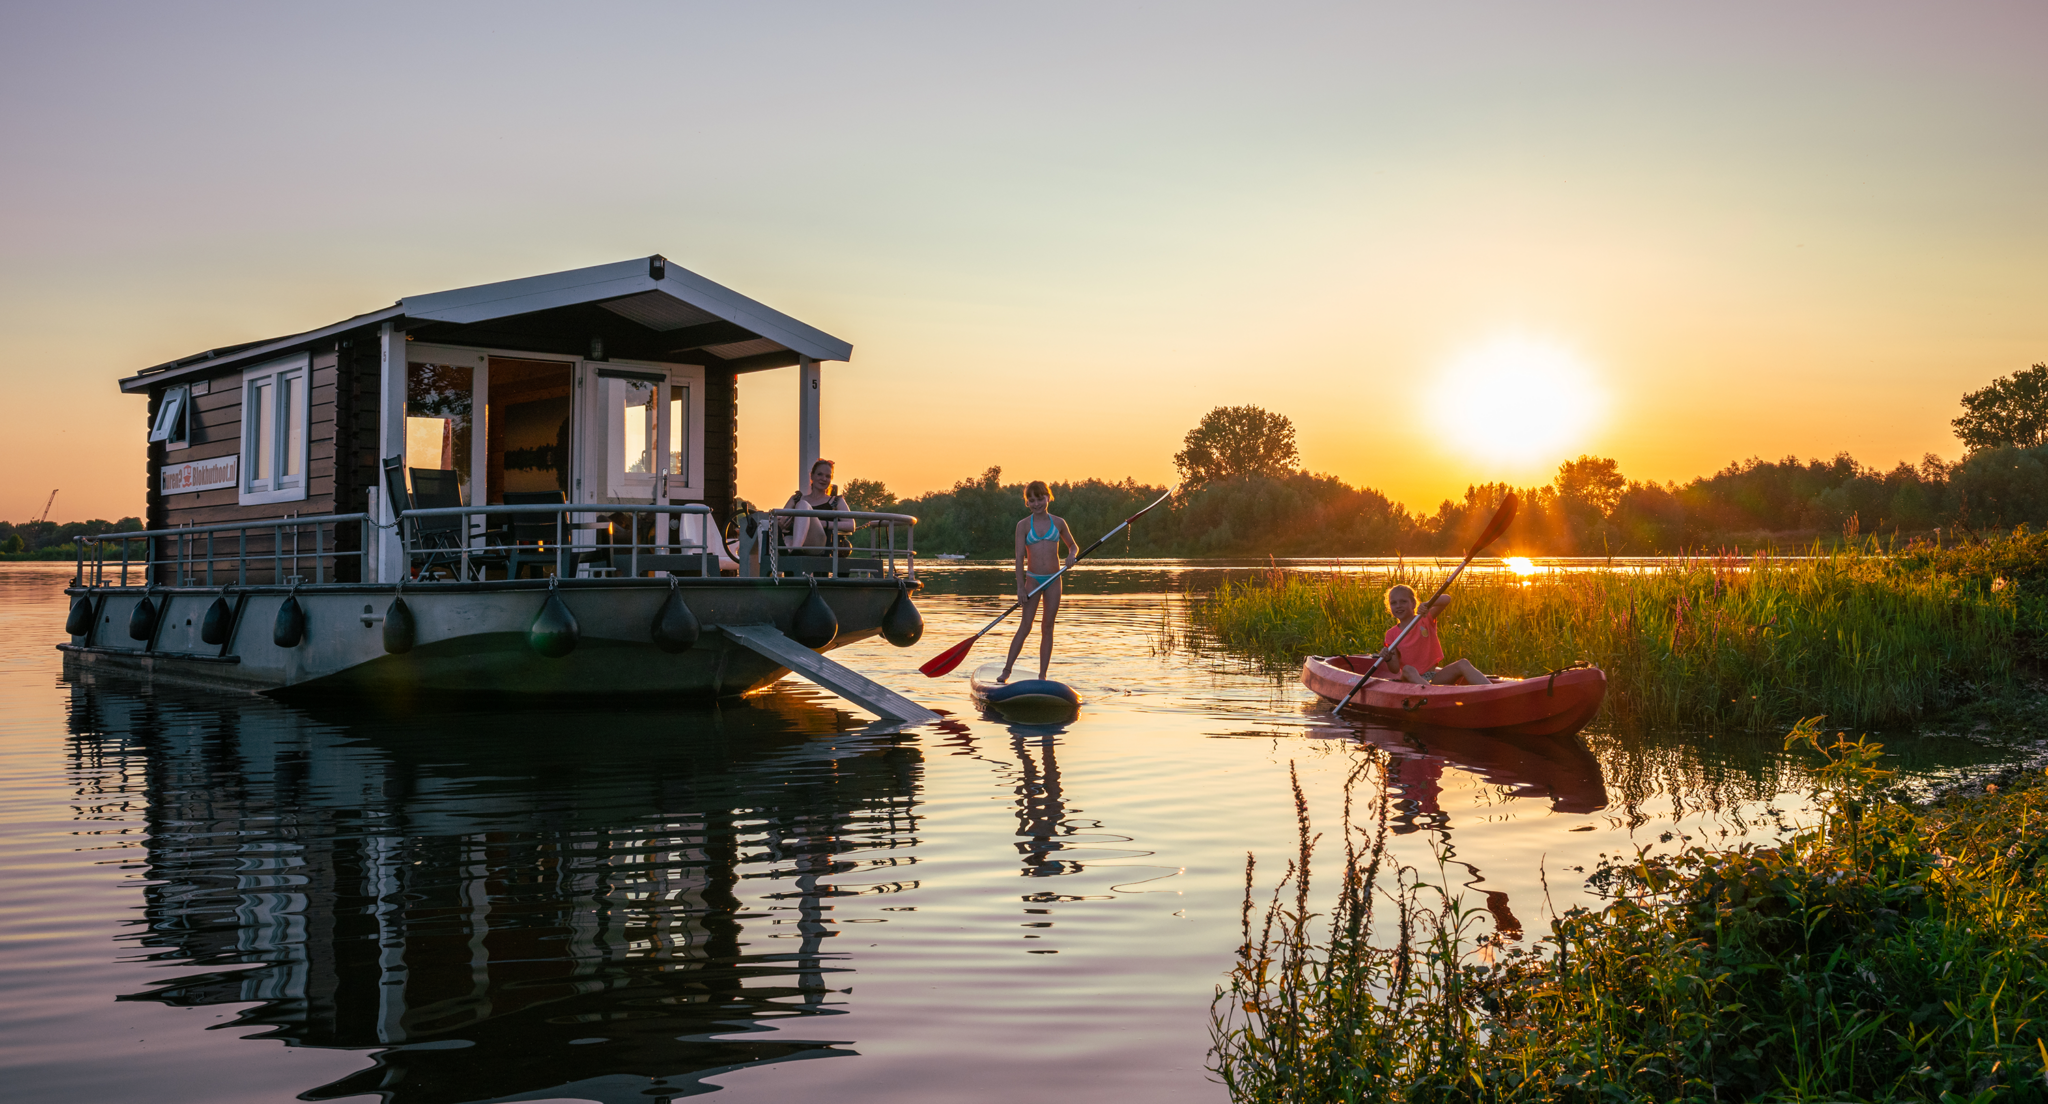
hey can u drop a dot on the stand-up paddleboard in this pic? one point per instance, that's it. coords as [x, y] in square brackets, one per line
[1025, 701]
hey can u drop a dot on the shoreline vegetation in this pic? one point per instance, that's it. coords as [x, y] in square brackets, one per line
[1890, 952]
[1244, 495]
[1589, 509]
[1866, 637]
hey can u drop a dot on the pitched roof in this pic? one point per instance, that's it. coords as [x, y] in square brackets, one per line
[644, 308]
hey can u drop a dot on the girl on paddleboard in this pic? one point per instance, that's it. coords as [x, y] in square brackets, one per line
[1040, 539]
[1420, 658]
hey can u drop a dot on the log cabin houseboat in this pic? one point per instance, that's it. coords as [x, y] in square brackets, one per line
[523, 487]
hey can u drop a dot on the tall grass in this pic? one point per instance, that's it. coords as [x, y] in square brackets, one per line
[1888, 954]
[1758, 642]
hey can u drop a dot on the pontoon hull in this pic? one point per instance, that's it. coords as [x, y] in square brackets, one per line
[471, 638]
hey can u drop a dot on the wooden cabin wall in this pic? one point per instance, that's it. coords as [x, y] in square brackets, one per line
[320, 408]
[216, 430]
[359, 363]
[152, 494]
[721, 441]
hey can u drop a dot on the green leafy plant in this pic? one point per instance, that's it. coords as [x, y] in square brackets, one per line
[1887, 953]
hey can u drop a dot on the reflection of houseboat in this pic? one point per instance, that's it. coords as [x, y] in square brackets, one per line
[527, 486]
[498, 914]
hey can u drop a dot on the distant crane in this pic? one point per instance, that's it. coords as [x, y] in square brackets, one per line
[47, 505]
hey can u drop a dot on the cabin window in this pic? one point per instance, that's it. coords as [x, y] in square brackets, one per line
[679, 434]
[646, 429]
[640, 424]
[439, 429]
[274, 432]
[173, 419]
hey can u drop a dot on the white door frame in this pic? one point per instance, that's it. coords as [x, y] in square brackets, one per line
[603, 451]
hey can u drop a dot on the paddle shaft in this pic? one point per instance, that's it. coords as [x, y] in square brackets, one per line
[1078, 557]
[950, 658]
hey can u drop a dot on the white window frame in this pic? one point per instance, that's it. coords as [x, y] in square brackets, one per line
[290, 422]
[174, 418]
[479, 363]
[607, 452]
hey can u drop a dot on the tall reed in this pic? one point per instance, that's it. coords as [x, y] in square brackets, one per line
[1757, 642]
[1888, 954]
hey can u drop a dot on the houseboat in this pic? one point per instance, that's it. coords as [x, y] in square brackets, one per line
[524, 487]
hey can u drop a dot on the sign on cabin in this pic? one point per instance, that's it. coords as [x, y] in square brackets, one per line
[199, 475]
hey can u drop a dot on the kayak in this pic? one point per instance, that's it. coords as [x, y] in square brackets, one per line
[1025, 701]
[1559, 702]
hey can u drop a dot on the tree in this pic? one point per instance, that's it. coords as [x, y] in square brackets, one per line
[1594, 481]
[1234, 441]
[2011, 412]
[869, 494]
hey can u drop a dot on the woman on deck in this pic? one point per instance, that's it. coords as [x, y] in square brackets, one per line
[1040, 537]
[816, 532]
[1420, 658]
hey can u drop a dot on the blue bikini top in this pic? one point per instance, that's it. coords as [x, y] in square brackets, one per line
[1033, 536]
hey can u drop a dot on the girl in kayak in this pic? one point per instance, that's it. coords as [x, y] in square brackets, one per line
[1420, 658]
[1040, 538]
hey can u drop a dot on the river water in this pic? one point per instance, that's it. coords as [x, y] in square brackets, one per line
[219, 898]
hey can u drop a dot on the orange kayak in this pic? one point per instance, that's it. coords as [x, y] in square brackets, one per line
[1562, 702]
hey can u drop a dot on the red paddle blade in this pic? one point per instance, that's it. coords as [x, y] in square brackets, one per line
[945, 661]
[1502, 518]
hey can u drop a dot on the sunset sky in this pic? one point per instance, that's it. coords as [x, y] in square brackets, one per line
[1452, 242]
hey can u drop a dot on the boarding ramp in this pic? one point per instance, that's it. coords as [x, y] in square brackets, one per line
[767, 640]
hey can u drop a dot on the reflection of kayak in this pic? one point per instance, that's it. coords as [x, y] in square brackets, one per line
[1555, 767]
[1560, 702]
[1026, 701]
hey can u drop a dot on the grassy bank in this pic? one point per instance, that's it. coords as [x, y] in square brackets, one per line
[1866, 639]
[66, 552]
[1892, 953]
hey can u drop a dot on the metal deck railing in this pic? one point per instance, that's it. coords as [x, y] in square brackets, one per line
[239, 553]
[848, 558]
[468, 542]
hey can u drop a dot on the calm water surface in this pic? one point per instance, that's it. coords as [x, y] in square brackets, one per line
[219, 898]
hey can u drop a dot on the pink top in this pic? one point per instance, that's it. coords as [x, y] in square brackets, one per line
[1421, 650]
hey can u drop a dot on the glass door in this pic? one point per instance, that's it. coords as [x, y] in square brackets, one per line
[649, 442]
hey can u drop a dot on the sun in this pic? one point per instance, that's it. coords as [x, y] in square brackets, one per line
[1520, 565]
[1516, 400]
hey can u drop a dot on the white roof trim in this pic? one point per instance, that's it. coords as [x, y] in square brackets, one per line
[206, 365]
[611, 281]
[535, 293]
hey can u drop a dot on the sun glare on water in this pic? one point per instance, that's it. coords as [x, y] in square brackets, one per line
[1518, 400]
[1520, 565]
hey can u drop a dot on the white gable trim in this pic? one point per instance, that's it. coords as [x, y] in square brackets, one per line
[612, 281]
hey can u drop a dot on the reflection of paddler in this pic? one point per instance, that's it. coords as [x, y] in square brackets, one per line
[1557, 767]
[1419, 779]
[1041, 812]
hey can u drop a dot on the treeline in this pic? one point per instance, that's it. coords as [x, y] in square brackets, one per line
[1590, 508]
[31, 540]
